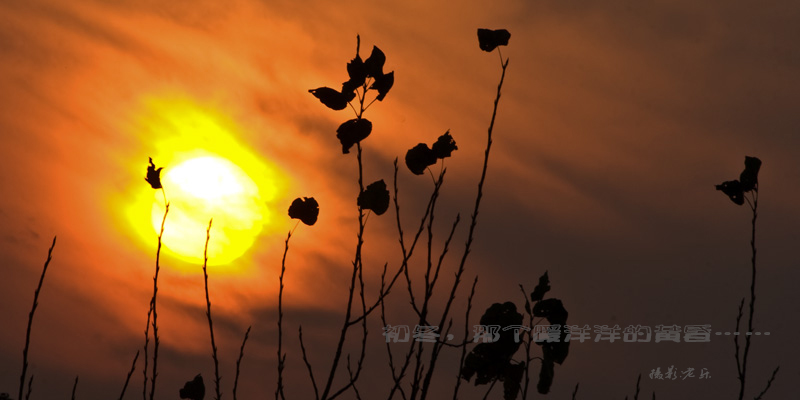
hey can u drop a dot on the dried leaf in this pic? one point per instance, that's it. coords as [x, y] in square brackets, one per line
[489, 39]
[382, 84]
[352, 132]
[542, 288]
[512, 378]
[545, 376]
[749, 177]
[734, 190]
[444, 146]
[420, 157]
[194, 389]
[375, 197]
[332, 98]
[153, 175]
[553, 310]
[374, 63]
[305, 209]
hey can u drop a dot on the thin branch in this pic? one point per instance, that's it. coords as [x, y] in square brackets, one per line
[769, 383]
[74, 388]
[466, 331]
[208, 313]
[154, 311]
[281, 357]
[473, 224]
[638, 380]
[308, 364]
[239, 362]
[30, 322]
[575, 392]
[130, 373]
[30, 388]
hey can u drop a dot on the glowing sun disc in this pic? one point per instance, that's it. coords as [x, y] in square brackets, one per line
[203, 188]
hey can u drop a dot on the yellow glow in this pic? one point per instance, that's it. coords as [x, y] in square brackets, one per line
[207, 174]
[203, 188]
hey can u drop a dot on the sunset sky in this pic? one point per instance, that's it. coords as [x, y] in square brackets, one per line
[617, 118]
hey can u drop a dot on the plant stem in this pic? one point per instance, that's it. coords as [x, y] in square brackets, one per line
[239, 362]
[30, 322]
[281, 357]
[128, 379]
[208, 313]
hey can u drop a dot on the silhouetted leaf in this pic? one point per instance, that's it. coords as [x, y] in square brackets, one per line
[444, 146]
[489, 39]
[382, 84]
[357, 72]
[491, 360]
[305, 209]
[556, 351]
[734, 190]
[749, 177]
[194, 389]
[542, 288]
[374, 63]
[545, 377]
[332, 98]
[420, 157]
[375, 197]
[512, 377]
[352, 132]
[153, 175]
[553, 310]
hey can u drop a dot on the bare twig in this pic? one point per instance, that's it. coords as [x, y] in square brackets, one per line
[153, 311]
[308, 364]
[128, 379]
[208, 313]
[575, 392]
[239, 362]
[470, 237]
[466, 332]
[30, 322]
[638, 380]
[281, 357]
[769, 383]
[30, 388]
[74, 388]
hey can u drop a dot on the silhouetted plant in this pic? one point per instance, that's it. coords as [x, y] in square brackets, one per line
[128, 378]
[30, 322]
[153, 177]
[208, 314]
[737, 191]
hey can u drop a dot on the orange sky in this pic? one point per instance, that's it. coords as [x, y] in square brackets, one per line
[616, 121]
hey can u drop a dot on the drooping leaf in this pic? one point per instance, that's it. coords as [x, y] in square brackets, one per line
[420, 157]
[542, 288]
[332, 98]
[194, 389]
[553, 310]
[444, 146]
[382, 84]
[545, 376]
[512, 377]
[352, 132]
[374, 63]
[749, 177]
[375, 197]
[305, 209]
[556, 351]
[489, 39]
[734, 190]
[153, 175]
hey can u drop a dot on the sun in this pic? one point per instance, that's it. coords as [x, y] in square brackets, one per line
[209, 171]
[203, 188]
